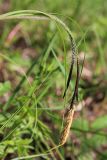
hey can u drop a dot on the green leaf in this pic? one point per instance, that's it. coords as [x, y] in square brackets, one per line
[4, 87]
[100, 122]
[96, 141]
[80, 123]
[85, 156]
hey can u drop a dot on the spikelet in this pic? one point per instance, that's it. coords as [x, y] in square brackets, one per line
[68, 123]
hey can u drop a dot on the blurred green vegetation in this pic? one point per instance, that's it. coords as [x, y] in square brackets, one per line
[34, 63]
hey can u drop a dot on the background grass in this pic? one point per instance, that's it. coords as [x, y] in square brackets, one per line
[34, 63]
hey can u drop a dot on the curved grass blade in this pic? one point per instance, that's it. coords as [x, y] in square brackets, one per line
[6, 106]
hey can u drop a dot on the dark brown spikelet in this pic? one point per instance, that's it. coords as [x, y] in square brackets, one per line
[73, 48]
[75, 94]
[68, 123]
